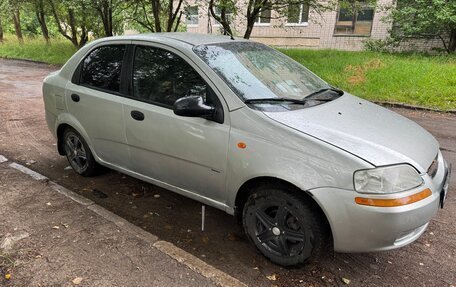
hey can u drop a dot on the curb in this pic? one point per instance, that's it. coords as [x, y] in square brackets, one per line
[412, 107]
[213, 274]
[31, 61]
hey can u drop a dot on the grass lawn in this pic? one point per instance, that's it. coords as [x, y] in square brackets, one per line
[428, 81]
[57, 53]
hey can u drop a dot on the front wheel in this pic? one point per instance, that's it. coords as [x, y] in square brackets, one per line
[78, 153]
[285, 228]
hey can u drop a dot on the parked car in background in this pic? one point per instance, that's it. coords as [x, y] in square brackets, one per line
[241, 127]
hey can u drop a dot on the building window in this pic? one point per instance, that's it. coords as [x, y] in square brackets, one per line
[191, 15]
[264, 17]
[355, 21]
[228, 14]
[298, 14]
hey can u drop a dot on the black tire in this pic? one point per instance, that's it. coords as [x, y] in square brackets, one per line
[79, 154]
[285, 228]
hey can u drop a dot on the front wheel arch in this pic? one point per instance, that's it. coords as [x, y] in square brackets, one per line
[303, 234]
[252, 184]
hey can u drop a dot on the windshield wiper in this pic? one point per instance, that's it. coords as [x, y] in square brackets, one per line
[340, 92]
[294, 101]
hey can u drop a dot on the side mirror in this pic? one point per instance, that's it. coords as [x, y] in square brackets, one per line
[192, 106]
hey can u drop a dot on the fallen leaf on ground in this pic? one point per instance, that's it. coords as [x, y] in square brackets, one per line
[345, 280]
[7, 276]
[77, 280]
[65, 225]
[55, 227]
[272, 277]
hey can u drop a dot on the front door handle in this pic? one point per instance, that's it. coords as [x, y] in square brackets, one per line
[137, 115]
[75, 98]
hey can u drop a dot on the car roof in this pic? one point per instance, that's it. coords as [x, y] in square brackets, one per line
[193, 39]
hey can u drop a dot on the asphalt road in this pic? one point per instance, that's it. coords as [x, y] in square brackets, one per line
[24, 137]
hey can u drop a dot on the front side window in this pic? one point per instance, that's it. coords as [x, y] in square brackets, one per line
[355, 20]
[298, 14]
[101, 69]
[265, 16]
[191, 15]
[162, 77]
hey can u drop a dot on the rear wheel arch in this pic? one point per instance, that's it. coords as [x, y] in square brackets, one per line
[60, 131]
[75, 126]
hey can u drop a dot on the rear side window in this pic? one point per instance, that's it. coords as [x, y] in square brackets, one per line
[162, 77]
[101, 69]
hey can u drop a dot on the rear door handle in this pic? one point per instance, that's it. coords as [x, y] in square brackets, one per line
[75, 98]
[137, 115]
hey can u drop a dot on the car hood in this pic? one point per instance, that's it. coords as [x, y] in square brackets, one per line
[366, 130]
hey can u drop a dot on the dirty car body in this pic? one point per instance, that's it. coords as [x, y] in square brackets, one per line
[241, 127]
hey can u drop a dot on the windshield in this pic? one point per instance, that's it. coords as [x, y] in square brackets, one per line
[255, 71]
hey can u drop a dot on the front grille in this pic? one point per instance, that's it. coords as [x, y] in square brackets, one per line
[432, 170]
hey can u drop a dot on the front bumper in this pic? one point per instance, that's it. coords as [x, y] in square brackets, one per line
[360, 228]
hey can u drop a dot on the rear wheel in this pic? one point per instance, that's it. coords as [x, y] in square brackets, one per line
[285, 228]
[78, 153]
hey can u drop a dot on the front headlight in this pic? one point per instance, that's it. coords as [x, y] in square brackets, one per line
[388, 179]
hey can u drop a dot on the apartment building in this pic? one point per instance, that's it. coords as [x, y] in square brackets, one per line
[300, 26]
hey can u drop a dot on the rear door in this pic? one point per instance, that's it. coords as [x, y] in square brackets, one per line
[188, 153]
[94, 97]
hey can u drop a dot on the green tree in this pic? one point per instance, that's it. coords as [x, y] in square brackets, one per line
[157, 15]
[425, 19]
[13, 7]
[39, 9]
[1, 30]
[74, 19]
[2, 8]
[110, 14]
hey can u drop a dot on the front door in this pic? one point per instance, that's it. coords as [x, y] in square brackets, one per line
[188, 153]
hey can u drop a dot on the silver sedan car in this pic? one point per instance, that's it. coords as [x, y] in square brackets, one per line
[241, 127]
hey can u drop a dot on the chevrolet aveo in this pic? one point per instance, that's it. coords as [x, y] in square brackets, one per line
[241, 127]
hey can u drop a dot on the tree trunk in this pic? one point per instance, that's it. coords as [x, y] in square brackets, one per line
[452, 43]
[73, 28]
[253, 11]
[249, 28]
[17, 25]
[39, 6]
[156, 9]
[174, 15]
[1, 31]
[58, 22]
[221, 19]
[105, 11]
